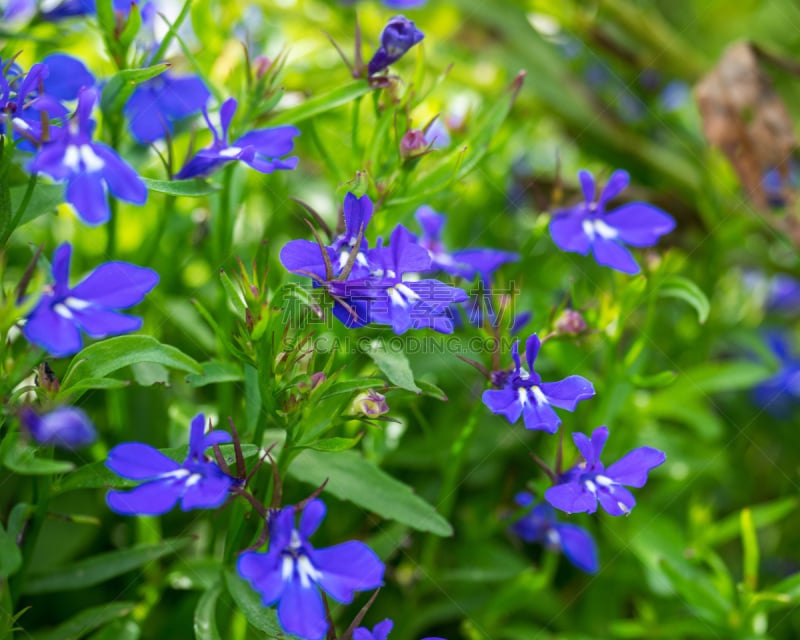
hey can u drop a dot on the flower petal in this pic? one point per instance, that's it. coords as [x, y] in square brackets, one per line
[138, 461]
[149, 499]
[312, 516]
[540, 416]
[67, 76]
[86, 192]
[610, 253]
[640, 224]
[532, 345]
[430, 221]
[263, 571]
[347, 567]
[579, 547]
[116, 284]
[59, 336]
[208, 492]
[300, 256]
[615, 185]
[571, 497]
[60, 268]
[632, 468]
[301, 612]
[123, 182]
[101, 323]
[274, 142]
[567, 232]
[567, 393]
[616, 500]
[587, 185]
[504, 402]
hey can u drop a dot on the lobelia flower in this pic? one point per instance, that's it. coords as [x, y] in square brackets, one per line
[67, 76]
[292, 572]
[91, 169]
[397, 37]
[157, 104]
[587, 226]
[379, 632]
[525, 394]
[22, 107]
[590, 481]
[65, 427]
[779, 395]
[466, 263]
[260, 149]
[63, 311]
[541, 525]
[198, 483]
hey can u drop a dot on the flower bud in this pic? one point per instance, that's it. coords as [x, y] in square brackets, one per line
[64, 427]
[570, 323]
[413, 144]
[397, 37]
[261, 65]
[370, 404]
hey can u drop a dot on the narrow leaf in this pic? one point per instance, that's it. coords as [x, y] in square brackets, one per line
[194, 188]
[686, 290]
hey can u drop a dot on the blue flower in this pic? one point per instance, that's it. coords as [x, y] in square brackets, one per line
[373, 291]
[524, 394]
[261, 149]
[293, 572]
[379, 632]
[89, 168]
[22, 106]
[541, 525]
[198, 483]
[67, 76]
[466, 263]
[587, 226]
[397, 37]
[65, 427]
[589, 482]
[157, 104]
[779, 395]
[63, 311]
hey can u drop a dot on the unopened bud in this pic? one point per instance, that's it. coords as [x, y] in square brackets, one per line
[413, 143]
[370, 404]
[261, 65]
[65, 427]
[570, 323]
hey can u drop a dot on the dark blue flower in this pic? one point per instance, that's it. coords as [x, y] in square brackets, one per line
[157, 104]
[91, 169]
[541, 525]
[524, 394]
[779, 395]
[583, 486]
[198, 483]
[63, 311]
[67, 76]
[64, 427]
[261, 149]
[23, 107]
[379, 632]
[397, 37]
[587, 226]
[466, 263]
[293, 572]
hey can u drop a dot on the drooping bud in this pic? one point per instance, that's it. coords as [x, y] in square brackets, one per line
[413, 144]
[370, 404]
[397, 37]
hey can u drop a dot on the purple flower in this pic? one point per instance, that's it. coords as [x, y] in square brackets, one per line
[198, 483]
[158, 103]
[397, 37]
[590, 482]
[779, 395]
[67, 76]
[260, 149]
[587, 226]
[62, 312]
[525, 394]
[89, 168]
[293, 572]
[22, 107]
[541, 525]
[373, 291]
[64, 427]
[466, 263]
[379, 632]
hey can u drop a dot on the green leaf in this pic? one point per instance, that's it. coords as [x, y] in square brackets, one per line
[119, 630]
[352, 477]
[205, 615]
[45, 199]
[87, 620]
[194, 188]
[101, 567]
[102, 358]
[322, 103]
[215, 371]
[750, 550]
[713, 377]
[333, 444]
[686, 290]
[654, 381]
[93, 383]
[430, 389]
[763, 515]
[249, 603]
[21, 458]
[699, 594]
[395, 365]
[122, 84]
[234, 295]
[348, 387]
[10, 554]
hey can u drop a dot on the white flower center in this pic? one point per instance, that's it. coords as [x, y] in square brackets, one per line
[598, 227]
[80, 158]
[230, 152]
[295, 558]
[401, 295]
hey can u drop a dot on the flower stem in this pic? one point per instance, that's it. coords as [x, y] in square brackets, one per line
[23, 206]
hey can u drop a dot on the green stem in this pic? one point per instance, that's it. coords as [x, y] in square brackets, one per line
[452, 474]
[41, 498]
[224, 222]
[23, 207]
